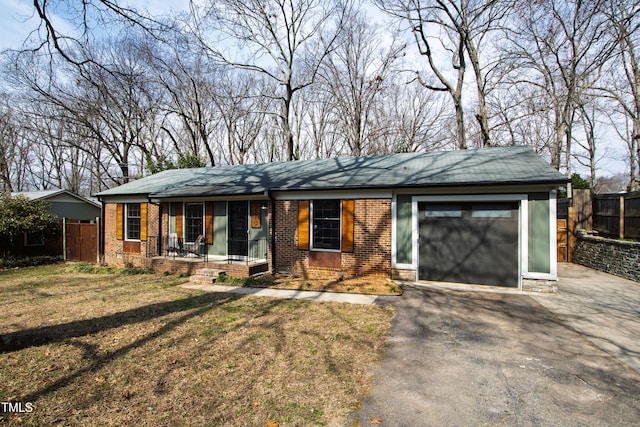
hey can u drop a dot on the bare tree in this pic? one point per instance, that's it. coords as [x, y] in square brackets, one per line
[88, 18]
[189, 104]
[416, 116]
[111, 112]
[559, 48]
[622, 81]
[522, 117]
[455, 30]
[320, 127]
[284, 40]
[588, 113]
[356, 76]
[13, 150]
[119, 107]
[445, 76]
[242, 114]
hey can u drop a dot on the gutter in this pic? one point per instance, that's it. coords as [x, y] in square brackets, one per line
[160, 240]
[101, 232]
[272, 224]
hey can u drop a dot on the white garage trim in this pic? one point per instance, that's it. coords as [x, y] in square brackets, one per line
[553, 242]
[523, 222]
[394, 236]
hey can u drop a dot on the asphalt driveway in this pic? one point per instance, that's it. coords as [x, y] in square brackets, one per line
[602, 307]
[469, 358]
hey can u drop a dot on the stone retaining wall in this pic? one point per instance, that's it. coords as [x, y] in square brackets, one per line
[617, 257]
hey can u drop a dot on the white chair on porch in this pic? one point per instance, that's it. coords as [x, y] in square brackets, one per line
[173, 246]
[192, 249]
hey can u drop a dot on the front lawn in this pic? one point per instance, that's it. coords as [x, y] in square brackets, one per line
[122, 349]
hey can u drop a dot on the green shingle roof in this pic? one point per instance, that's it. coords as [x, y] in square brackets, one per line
[494, 166]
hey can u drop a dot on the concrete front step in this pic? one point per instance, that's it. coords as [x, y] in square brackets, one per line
[206, 275]
[210, 272]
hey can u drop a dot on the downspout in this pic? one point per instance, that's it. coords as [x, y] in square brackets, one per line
[101, 231]
[159, 242]
[273, 231]
[64, 238]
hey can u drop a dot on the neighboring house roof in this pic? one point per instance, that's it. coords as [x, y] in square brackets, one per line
[494, 166]
[52, 194]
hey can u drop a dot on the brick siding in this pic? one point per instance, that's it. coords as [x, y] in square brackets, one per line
[372, 242]
[114, 253]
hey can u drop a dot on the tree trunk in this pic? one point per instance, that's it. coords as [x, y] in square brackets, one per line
[635, 155]
[482, 115]
[286, 125]
[460, 128]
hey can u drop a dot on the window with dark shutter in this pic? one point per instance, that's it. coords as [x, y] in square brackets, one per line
[326, 230]
[132, 221]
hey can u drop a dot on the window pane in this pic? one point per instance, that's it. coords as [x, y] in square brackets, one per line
[326, 224]
[488, 210]
[193, 221]
[33, 240]
[444, 211]
[133, 221]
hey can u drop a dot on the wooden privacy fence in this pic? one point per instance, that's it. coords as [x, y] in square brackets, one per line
[572, 214]
[562, 230]
[617, 215]
[80, 242]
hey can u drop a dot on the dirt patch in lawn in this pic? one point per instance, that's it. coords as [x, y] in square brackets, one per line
[371, 285]
[115, 349]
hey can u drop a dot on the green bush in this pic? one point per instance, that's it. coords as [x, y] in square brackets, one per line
[19, 215]
[18, 262]
[242, 281]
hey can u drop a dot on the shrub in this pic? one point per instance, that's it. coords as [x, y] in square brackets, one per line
[19, 215]
[18, 262]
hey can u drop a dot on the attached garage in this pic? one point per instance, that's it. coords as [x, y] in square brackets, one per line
[478, 217]
[469, 242]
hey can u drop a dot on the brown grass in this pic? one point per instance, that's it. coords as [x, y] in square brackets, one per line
[372, 285]
[114, 349]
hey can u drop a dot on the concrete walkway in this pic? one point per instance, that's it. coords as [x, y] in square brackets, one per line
[469, 358]
[286, 293]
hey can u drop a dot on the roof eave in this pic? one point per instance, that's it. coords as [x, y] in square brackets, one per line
[552, 182]
[159, 197]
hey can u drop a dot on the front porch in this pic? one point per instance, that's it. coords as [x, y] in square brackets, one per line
[244, 258]
[189, 265]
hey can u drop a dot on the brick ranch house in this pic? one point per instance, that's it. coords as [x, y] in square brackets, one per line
[484, 216]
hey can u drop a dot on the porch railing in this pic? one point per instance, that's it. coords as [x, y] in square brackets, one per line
[244, 251]
[255, 250]
[153, 246]
[176, 247]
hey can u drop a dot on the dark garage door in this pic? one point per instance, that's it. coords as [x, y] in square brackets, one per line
[469, 243]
